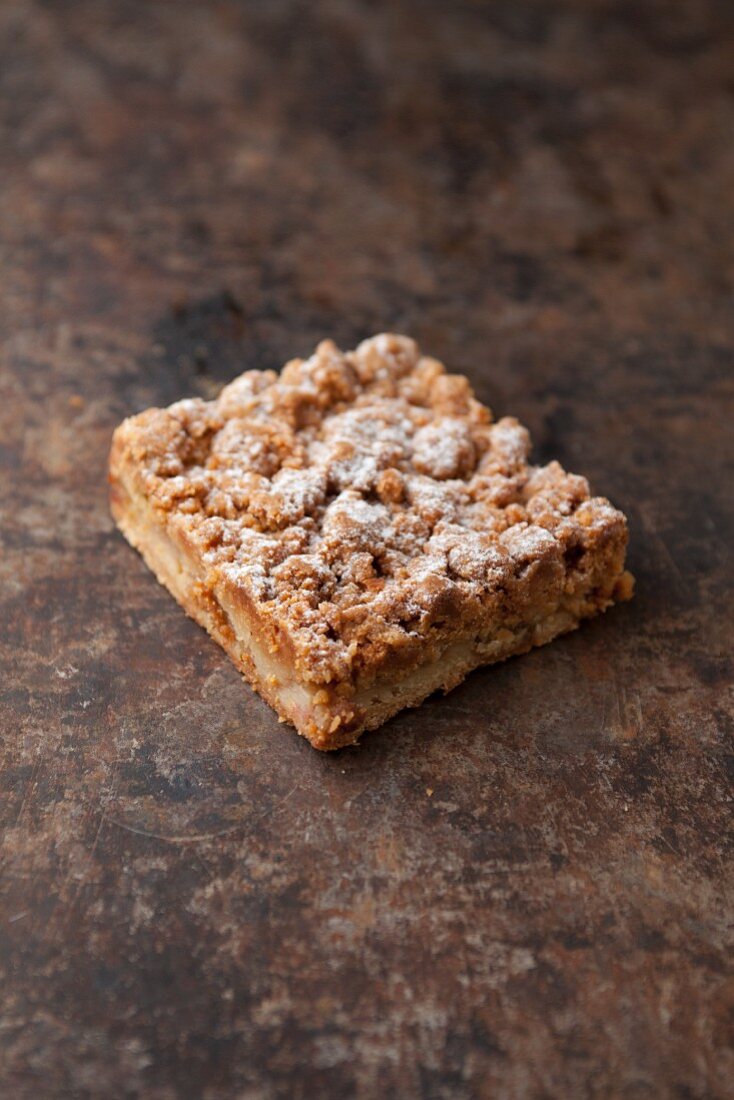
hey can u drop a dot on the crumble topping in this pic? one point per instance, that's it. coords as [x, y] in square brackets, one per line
[362, 500]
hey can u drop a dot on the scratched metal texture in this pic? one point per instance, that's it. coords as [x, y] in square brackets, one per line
[519, 890]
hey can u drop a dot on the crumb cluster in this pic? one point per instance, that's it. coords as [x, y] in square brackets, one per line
[365, 501]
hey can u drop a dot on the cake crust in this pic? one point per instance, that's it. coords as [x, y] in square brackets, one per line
[357, 531]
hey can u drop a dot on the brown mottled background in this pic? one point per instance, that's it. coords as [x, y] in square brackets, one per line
[520, 890]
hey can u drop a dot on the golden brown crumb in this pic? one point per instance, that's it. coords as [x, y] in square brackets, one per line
[366, 506]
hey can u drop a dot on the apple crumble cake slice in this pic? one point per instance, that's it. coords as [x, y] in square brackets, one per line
[357, 532]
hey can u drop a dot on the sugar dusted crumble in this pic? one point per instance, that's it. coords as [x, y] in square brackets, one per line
[365, 512]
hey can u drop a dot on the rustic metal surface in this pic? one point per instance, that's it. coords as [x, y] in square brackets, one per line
[520, 889]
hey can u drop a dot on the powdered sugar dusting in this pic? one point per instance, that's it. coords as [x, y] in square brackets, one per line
[365, 501]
